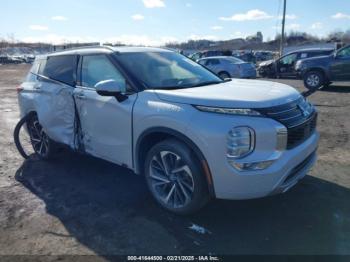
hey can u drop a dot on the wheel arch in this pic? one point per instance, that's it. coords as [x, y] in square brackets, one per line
[153, 135]
[224, 72]
[317, 69]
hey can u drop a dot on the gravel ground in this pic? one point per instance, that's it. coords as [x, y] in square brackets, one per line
[82, 205]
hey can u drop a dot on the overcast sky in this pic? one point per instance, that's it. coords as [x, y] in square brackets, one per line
[155, 22]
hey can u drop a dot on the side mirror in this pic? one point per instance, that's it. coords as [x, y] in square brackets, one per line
[112, 88]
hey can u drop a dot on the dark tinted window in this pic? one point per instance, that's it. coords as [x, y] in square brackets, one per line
[320, 53]
[213, 62]
[345, 53]
[61, 68]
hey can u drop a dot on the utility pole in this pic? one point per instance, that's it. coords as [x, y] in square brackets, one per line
[283, 25]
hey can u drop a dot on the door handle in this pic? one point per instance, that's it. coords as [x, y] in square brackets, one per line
[80, 96]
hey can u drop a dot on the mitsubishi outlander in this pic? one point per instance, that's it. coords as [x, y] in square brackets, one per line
[191, 134]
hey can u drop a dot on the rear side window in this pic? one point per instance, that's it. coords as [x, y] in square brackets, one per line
[32, 75]
[202, 62]
[61, 68]
[35, 67]
[304, 55]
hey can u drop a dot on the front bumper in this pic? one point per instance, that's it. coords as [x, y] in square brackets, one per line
[291, 167]
[248, 74]
[300, 73]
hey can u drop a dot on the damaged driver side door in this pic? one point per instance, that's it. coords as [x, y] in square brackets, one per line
[106, 123]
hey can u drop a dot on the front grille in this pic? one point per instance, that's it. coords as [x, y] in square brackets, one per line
[299, 134]
[298, 116]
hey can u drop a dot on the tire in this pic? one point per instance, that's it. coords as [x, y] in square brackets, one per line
[43, 146]
[182, 192]
[263, 75]
[314, 80]
[224, 75]
[16, 136]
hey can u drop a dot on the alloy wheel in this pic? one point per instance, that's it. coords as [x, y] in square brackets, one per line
[171, 179]
[313, 80]
[38, 138]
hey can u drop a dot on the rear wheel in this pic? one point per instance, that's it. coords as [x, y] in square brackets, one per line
[175, 178]
[43, 146]
[224, 75]
[314, 80]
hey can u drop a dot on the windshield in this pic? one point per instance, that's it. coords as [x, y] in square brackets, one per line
[166, 70]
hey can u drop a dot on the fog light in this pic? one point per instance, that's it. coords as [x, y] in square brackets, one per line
[255, 166]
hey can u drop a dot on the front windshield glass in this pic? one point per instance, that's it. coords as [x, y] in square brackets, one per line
[166, 70]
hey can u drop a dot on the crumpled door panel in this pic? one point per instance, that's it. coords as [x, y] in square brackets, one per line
[56, 111]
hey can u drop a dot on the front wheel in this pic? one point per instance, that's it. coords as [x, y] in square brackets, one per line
[313, 80]
[175, 178]
[224, 75]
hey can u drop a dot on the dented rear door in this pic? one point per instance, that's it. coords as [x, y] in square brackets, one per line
[55, 104]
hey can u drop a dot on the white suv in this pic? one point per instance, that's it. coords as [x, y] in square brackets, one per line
[193, 135]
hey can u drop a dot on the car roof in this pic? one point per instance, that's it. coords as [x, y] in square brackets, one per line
[311, 50]
[218, 57]
[104, 50]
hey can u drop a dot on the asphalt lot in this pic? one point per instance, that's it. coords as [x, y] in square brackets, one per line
[81, 205]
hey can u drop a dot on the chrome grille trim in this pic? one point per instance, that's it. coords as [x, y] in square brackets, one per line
[300, 124]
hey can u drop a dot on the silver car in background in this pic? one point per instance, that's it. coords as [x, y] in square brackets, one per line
[229, 67]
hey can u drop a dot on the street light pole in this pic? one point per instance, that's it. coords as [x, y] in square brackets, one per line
[283, 25]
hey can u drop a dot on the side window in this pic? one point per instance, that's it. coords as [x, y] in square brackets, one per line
[35, 67]
[42, 67]
[32, 75]
[202, 62]
[97, 68]
[303, 55]
[345, 53]
[61, 68]
[289, 59]
[213, 62]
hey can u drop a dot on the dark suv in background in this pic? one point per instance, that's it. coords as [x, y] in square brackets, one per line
[321, 71]
[284, 66]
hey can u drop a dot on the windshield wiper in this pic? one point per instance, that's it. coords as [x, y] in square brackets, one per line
[171, 87]
[190, 86]
[207, 83]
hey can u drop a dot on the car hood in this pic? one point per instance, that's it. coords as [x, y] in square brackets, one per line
[237, 93]
[267, 63]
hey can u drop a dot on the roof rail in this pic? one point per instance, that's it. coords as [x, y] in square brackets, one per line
[83, 47]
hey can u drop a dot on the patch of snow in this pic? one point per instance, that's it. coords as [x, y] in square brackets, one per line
[199, 229]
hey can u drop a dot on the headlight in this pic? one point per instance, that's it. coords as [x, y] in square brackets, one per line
[306, 107]
[240, 142]
[299, 65]
[229, 111]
